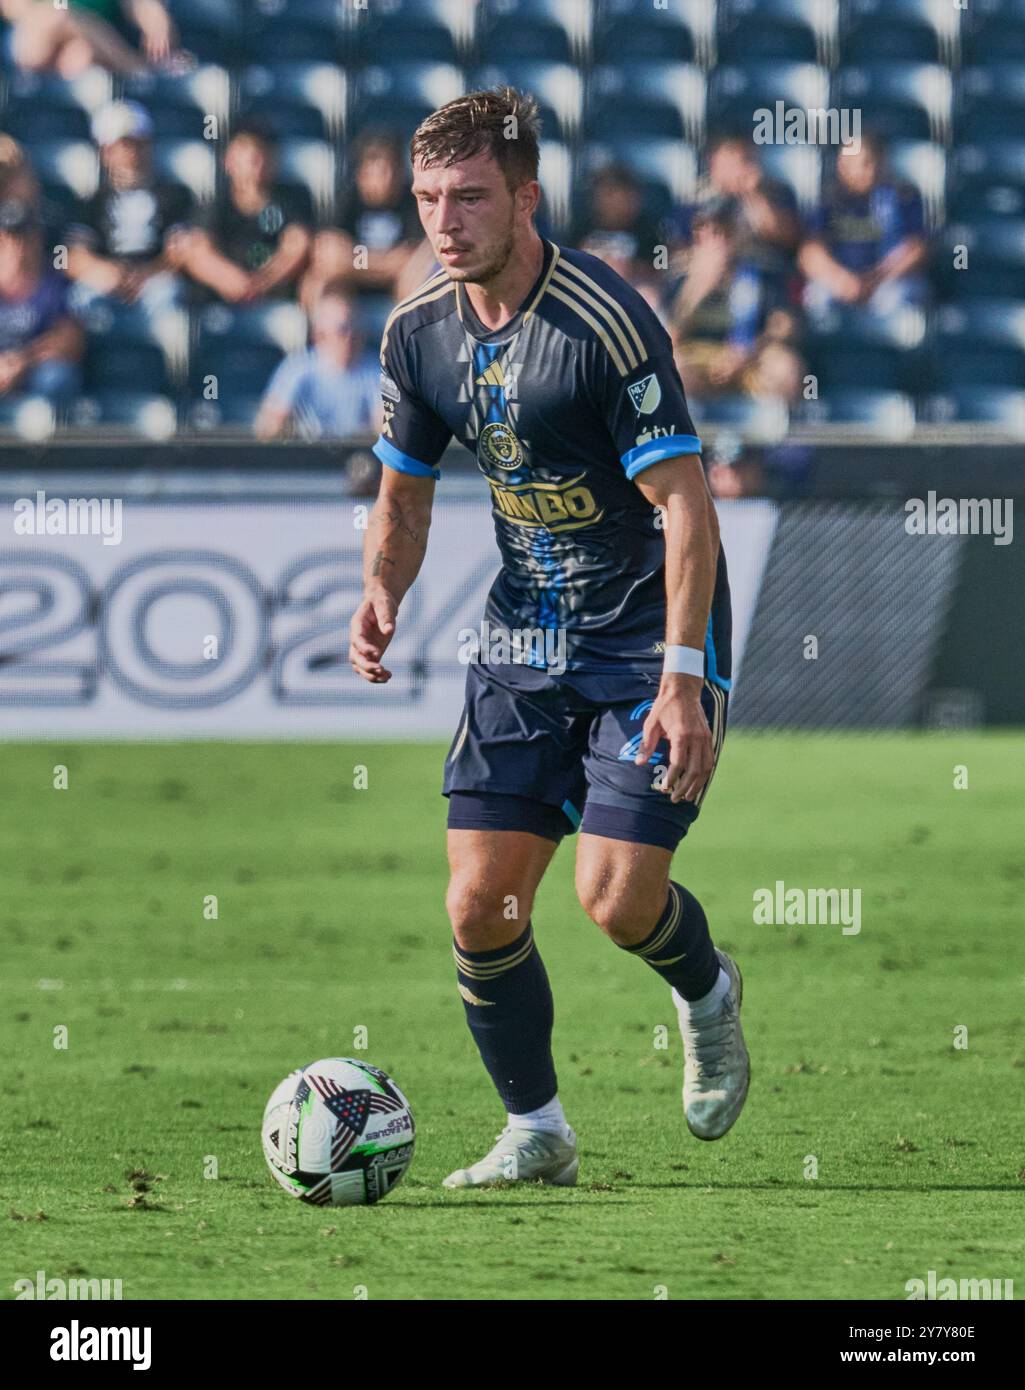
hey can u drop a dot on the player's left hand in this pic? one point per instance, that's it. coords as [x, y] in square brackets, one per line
[677, 717]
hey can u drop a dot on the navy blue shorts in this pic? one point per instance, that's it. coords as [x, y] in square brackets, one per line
[553, 754]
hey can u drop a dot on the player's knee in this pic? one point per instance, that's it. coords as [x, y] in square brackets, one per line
[626, 913]
[483, 916]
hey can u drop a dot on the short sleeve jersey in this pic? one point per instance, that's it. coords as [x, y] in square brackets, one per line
[562, 407]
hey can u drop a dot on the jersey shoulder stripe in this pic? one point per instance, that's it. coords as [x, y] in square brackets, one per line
[620, 318]
[615, 311]
[431, 290]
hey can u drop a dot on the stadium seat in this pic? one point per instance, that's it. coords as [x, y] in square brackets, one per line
[987, 179]
[980, 343]
[1001, 407]
[878, 414]
[294, 31]
[628, 30]
[860, 349]
[425, 31]
[236, 351]
[182, 103]
[43, 106]
[211, 29]
[125, 414]
[900, 101]
[994, 31]
[668, 168]
[67, 169]
[557, 30]
[373, 312]
[923, 164]
[797, 166]
[310, 165]
[399, 96]
[919, 31]
[115, 332]
[756, 421]
[735, 92]
[297, 99]
[26, 417]
[664, 101]
[558, 88]
[796, 31]
[991, 103]
[192, 163]
[992, 264]
[555, 174]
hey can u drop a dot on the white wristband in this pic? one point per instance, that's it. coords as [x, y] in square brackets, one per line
[684, 661]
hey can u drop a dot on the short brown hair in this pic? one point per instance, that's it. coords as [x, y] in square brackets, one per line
[476, 123]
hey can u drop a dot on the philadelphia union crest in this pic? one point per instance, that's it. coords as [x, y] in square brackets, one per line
[499, 449]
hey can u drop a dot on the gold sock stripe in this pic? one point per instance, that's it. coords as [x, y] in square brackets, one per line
[642, 351]
[475, 970]
[431, 289]
[629, 355]
[664, 935]
[592, 323]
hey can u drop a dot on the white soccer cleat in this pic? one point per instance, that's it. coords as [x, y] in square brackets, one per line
[717, 1069]
[523, 1155]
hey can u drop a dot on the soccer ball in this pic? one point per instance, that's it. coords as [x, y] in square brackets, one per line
[338, 1133]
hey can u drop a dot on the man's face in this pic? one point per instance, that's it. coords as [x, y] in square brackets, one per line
[15, 253]
[470, 217]
[248, 160]
[334, 328]
[732, 167]
[616, 205]
[858, 171]
[377, 176]
[127, 159]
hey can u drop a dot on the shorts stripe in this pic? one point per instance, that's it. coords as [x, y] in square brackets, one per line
[718, 733]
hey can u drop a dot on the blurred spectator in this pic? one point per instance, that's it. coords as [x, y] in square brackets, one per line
[254, 241]
[731, 328]
[616, 228]
[736, 469]
[332, 390]
[18, 183]
[866, 241]
[764, 210]
[377, 212]
[40, 343]
[79, 34]
[128, 239]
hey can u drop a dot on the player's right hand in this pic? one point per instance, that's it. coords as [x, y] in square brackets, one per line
[371, 629]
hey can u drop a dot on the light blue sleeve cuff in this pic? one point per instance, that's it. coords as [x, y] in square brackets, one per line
[402, 463]
[655, 450]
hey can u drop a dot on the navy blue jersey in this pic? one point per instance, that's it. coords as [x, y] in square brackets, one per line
[562, 407]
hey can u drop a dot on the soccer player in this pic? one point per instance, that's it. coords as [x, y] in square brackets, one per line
[560, 380]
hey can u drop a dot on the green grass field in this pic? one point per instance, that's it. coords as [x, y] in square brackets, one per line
[331, 918]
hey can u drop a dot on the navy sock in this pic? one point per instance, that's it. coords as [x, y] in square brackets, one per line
[680, 948]
[508, 1003]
